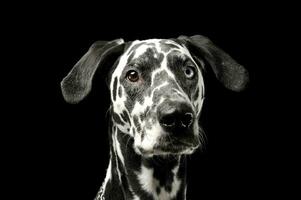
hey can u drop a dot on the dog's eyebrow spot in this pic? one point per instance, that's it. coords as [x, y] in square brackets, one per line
[114, 88]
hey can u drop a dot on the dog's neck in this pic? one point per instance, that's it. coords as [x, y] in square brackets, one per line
[131, 176]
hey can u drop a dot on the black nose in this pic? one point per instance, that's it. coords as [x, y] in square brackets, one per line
[175, 115]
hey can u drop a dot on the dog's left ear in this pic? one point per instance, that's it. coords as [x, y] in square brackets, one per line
[231, 74]
[78, 83]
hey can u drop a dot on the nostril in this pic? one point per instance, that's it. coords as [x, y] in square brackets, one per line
[186, 119]
[168, 120]
[175, 116]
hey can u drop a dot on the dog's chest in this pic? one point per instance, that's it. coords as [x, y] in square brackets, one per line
[159, 186]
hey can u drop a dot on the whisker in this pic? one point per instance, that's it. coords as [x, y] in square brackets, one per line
[202, 138]
[108, 112]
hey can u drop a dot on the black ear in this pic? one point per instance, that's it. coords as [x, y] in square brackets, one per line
[231, 74]
[77, 84]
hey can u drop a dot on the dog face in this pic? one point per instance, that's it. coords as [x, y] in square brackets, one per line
[156, 88]
[157, 93]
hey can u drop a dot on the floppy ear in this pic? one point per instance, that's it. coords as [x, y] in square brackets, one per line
[77, 84]
[231, 74]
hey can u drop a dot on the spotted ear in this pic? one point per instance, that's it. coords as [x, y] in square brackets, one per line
[77, 84]
[231, 74]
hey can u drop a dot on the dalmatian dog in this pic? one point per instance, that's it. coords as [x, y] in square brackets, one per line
[157, 92]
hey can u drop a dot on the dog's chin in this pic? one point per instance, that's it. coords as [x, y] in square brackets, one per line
[166, 148]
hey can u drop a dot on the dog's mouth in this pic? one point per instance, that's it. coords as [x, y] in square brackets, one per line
[173, 146]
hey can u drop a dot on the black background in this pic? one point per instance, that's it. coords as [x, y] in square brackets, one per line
[60, 151]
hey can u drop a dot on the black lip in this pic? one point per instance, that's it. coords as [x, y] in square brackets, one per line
[171, 145]
[174, 146]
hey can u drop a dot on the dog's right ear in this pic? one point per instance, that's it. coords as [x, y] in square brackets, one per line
[231, 74]
[77, 84]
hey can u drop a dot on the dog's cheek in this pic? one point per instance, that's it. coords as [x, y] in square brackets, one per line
[152, 131]
[151, 137]
[118, 96]
[199, 94]
[137, 124]
[195, 100]
[196, 128]
[120, 114]
[143, 125]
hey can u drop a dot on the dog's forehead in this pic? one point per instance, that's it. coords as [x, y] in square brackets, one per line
[165, 46]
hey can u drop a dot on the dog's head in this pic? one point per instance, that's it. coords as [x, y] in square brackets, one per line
[156, 87]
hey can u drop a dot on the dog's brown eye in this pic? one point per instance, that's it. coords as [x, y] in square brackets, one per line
[132, 76]
[189, 72]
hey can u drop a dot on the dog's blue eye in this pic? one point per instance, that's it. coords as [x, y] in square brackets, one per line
[132, 75]
[189, 71]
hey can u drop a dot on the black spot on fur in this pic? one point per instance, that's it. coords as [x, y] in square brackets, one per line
[196, 94]
[120, 91]
[117, 118]
[140, 99]
[142, 135]
[125, 117]
[147, 109]
[114, 88]
[158, 190]
[142, 116]
[137, 124]
[162, 170]
[112, 191]
[134, 132]
[129, 104]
